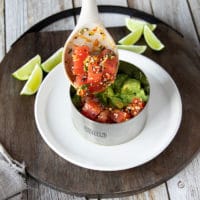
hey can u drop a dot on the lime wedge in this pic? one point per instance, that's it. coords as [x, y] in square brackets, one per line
[134, 48]
[152, 26]
[25, 71]
[151, 39]
[54, 60]
[134, 24]
[34, 81]
[131, 38]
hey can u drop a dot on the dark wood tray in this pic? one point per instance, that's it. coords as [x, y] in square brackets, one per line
[20, 136]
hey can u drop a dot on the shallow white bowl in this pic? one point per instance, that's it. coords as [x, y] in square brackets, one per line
[54, 122]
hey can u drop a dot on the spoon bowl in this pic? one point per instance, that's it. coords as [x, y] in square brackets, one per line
[89, 32]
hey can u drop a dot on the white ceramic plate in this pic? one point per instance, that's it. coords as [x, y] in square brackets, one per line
[53, 119]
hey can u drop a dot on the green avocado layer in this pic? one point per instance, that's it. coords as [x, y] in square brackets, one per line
[130, 83]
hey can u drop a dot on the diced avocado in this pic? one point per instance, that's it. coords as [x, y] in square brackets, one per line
[116, 102]
[103, 98]
[109, 91]
[105, 95]
[121, 78]
[131, 86]
[133, 72]
[141, 94]
[76, 99]
[127, 98]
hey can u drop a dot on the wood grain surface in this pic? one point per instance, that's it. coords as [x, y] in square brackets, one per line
[194, 8]
[185, 185]
[43, 164]
[2, 34]
[108, 18]
[189, 187]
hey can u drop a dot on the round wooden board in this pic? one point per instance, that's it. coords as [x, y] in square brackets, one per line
[20, 136]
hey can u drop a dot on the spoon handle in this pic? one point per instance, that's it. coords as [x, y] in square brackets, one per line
[89, 13]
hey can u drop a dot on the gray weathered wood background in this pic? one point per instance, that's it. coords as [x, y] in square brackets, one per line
[16, 16]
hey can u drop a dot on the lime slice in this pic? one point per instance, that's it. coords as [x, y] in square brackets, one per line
[54, 60]
[151, 39]
[34, 81]
[131, 38]
[25, 71]
[134, 48]
[134, 24]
